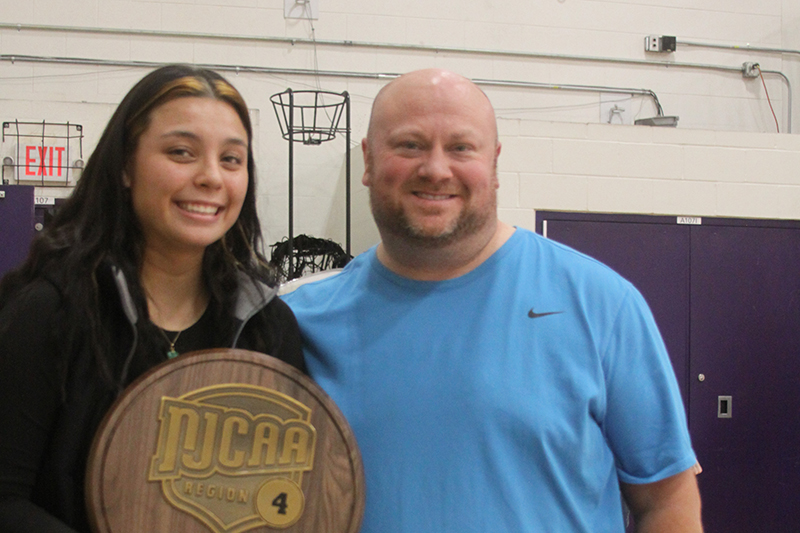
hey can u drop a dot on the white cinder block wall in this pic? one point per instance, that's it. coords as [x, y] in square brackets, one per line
[73, 61]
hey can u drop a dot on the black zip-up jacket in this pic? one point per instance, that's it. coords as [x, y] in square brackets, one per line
[52, 401]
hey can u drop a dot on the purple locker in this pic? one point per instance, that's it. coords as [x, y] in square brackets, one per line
[16, 224]
[726, 296]
[745, 364]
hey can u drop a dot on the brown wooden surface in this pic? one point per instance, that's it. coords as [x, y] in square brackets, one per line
[120, 497]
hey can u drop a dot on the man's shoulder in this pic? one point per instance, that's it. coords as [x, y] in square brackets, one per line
[546, 249]
[326, 283]
[289, 287]
[562, 262]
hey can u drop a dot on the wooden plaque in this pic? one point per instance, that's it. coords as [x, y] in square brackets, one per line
[225, 441]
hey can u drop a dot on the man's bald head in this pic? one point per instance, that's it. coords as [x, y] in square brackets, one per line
[427, 86]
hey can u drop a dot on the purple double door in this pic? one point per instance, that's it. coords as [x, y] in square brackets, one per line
[726, 296]
[16, 224]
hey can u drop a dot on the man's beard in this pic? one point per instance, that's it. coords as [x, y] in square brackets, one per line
[392, 218]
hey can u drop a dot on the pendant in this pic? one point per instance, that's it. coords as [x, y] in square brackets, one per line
[172, 353]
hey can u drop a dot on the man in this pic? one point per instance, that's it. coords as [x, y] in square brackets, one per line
[495, 381]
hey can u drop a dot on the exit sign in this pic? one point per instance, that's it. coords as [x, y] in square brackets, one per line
[42, 153]
[45, 161]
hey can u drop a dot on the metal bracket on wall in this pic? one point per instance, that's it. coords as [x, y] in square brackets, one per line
[301, 9]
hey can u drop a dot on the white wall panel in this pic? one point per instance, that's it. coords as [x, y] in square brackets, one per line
[77, 12]
[130, 14]
[520, 154]
[368, 28]
[434, 32]
[559, 192]
[34, 43]
[114, 47]
[688, 198]
[17, 12]
[616, 159]
[609, 195]
[723, 158]
[767, 7]
[748, 200]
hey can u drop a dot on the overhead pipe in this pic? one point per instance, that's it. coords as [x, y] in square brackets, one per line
[388, 46]
[738, 47]
[328, 73]
[359, 44]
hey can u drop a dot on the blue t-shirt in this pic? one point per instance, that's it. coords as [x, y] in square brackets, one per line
[511, 399]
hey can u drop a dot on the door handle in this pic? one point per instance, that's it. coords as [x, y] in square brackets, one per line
[724, 407]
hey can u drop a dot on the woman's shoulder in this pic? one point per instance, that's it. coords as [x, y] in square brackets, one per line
[31, 324]
[37, 297]
[279, 312]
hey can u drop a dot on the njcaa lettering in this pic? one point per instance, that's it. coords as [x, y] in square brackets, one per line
[200, 439]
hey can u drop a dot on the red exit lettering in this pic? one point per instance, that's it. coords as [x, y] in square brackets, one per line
[43, 160]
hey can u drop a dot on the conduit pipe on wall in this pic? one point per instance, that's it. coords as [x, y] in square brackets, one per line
[330, 73]
[357, 44]
[569, 87]
[749, 48]
[390, 46]
[738, 47]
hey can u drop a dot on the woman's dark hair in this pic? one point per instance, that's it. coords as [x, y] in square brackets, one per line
[97, 224]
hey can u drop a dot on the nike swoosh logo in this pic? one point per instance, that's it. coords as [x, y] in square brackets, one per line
[533, 314]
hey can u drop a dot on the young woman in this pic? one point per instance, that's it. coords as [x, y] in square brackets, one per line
[156, 253]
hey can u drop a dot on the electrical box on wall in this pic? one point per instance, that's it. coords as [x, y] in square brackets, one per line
[301, 9]
[660, 43]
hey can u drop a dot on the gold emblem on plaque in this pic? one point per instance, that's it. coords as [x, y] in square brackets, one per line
[233, 456]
